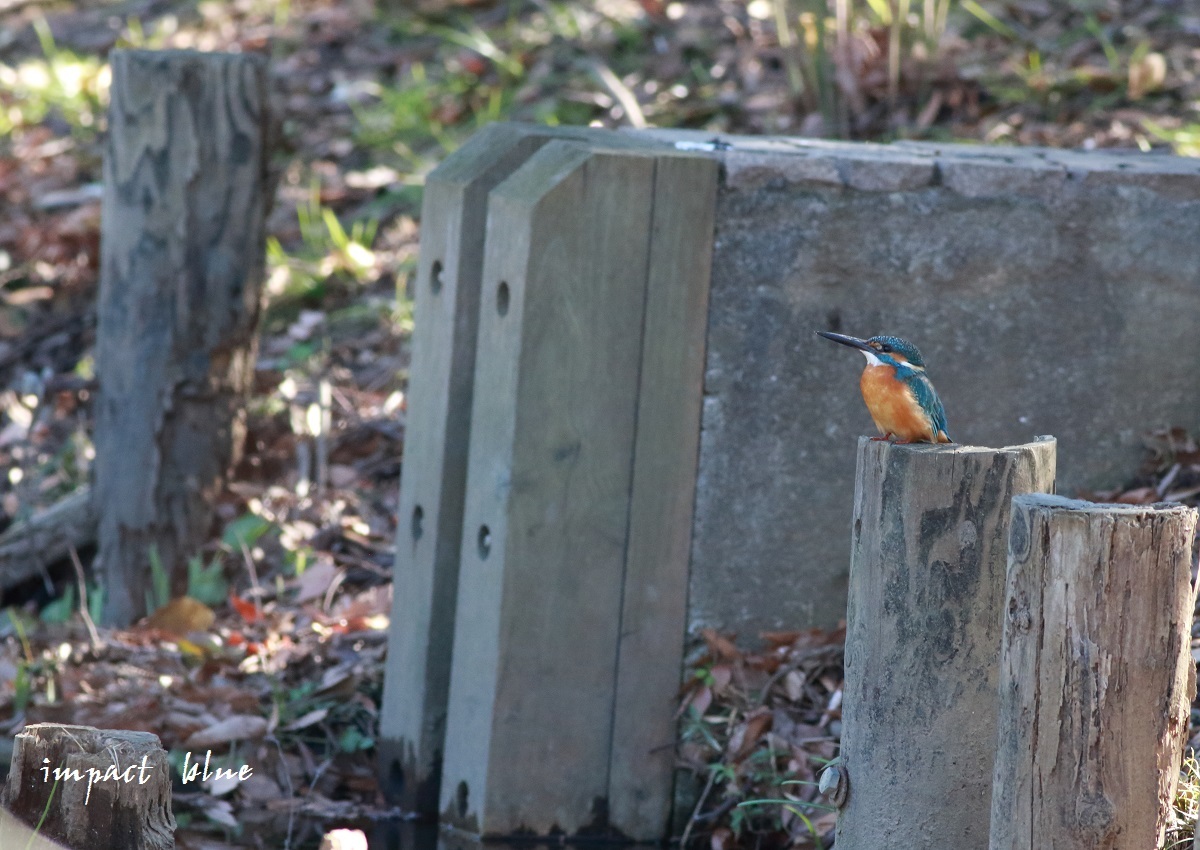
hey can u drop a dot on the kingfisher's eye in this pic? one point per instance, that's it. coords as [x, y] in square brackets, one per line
[885, 348]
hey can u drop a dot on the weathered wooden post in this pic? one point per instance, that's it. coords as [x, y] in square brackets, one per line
[453, 222]
[573, 580]
[1097, 676]
[442, 380]
[92, 789]
[927, 568]
[185, 196]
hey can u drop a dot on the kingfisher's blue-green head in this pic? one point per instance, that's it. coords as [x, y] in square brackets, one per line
[891, 350]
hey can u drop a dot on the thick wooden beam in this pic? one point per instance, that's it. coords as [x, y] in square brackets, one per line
[182, 253]
[570, 612]
[927, 571]
[547, 508]
[1097, 675]
[417, 678]
[92, 789]
[437, 439]
[654, 609]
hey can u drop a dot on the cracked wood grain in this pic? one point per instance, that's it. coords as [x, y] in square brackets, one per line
[927, 571]
[182, 254]
[1096, 674]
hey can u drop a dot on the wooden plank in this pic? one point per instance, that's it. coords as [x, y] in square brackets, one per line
[654, 610]
[927, 570]
[529, 728]
[437, 436]
[441, 378]
[1096, 674]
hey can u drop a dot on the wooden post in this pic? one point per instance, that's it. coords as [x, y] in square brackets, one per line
[92, 789]
[453, 226]
[182, 253]
[1097, 675]
[927, 567]
[571, 612]
[437, 434]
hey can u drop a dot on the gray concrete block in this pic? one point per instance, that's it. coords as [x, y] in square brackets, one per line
[1051, 292]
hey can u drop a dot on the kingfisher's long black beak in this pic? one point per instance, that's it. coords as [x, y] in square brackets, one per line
[852, 341]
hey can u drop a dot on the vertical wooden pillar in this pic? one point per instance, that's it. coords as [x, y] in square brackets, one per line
[112, 789]
[185, 196]
[570, 611]
[1097, 675]
[437, 435]
[927, 568]
[453, 227]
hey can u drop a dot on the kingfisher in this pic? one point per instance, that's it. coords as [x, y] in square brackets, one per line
[900, 398]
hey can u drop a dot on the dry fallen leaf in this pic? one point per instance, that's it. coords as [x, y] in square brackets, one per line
[182, 616]
[239, 727]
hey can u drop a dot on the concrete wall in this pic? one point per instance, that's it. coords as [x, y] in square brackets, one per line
[1051, 292]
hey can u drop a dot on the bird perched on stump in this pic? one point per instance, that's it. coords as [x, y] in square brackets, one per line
[899, 396]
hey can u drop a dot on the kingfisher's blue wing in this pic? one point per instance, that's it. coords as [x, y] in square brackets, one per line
[927, 397]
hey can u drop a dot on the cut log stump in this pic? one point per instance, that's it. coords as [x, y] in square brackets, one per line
[927, 570]
[92, 789]
[182, 254]
[1096, 674]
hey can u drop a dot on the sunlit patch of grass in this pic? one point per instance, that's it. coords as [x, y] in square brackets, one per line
[327, 252]
[61, 84]
[1184, 140]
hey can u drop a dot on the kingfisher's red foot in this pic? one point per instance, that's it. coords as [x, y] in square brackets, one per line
[879, 439]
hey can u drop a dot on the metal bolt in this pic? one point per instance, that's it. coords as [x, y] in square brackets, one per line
[835, 784]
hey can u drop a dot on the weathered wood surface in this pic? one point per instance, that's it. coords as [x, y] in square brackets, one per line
[928, 561]
[1097, 676]
[437, 435]
[654, 609]
[182, 242]
[557, 593]
[115, 795]
[28, 547]
[547, 506]
[417, 678]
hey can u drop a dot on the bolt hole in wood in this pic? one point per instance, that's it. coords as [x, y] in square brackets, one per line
[418, 522]
[485, 541]
[502, 298]
[435, 277]
[460, 799]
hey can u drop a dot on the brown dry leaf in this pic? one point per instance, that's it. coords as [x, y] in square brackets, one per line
[747, 734]
[721, 646]
[182, 616]
[699, 701]
[721, 676]
[239, 727]
[315, 581]
[1138, 496]
[778, 639]
[1146, 75]
[722, 839]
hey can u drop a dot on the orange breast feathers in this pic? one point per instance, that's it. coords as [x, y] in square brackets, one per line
[893, 405]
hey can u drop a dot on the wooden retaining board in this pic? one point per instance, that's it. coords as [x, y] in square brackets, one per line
[570, 613]
[412, 723]
[454, 213]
